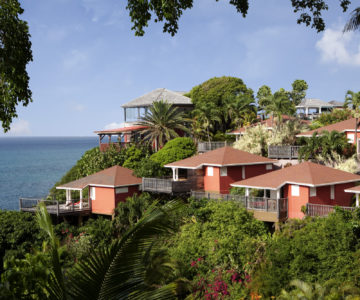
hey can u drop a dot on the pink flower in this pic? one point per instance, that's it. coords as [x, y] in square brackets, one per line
[193, 263]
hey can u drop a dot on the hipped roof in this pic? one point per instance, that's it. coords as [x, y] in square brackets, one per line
[121, 130]
[157, 95]
[347, 125]
[306, 173]
[225, 156]
[112, 177]
[312, 102]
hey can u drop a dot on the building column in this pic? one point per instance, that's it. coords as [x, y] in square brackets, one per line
[67, 196]
[175, 174]
[357, 200]
[81, 199]
[306, 111]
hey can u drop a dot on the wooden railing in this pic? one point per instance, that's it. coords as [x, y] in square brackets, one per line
[321, 210]
[283, 151]
[165, 185]
[208, 146]
[104, 146]
[54, 206]
[279, 206]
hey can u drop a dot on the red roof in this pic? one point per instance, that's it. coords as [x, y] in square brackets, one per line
[355, 190]
[121, 130]
[112, 177]
[347, 125]
[306, 173]
[226, 156]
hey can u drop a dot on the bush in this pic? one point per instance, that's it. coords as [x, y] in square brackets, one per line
[150, 168]
[174, 150]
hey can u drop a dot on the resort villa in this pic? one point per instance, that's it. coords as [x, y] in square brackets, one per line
[304, 185]
[134, 110]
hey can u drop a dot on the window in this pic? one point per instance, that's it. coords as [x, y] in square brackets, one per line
[122, 190]
[243, 172]
[295, 190]
[332, 192]
[210, 171]
[223, 171]
[268, 167]
[312, 191]
[351, 137]
[92, 193]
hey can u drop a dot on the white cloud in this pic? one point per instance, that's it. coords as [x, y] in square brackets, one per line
[340, 48]
[78, 107]
[114, 125]
[105, 11]
[75, 59]
[19, 128]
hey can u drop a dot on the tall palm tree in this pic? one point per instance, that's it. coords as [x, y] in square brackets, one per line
[354, 22]
[240, 110]
[205, 118]
[115, 272]
[163, 120]
[353, 99]
[279, 105]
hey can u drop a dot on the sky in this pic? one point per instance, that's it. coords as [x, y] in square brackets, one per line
[88, 61]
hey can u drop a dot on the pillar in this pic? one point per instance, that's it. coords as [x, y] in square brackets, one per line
[357, 200]
[68, 196]
[175, 174]
[247, 192]
[81, 200]
[306, 111]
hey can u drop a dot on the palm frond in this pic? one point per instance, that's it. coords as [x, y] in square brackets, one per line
[354, 21]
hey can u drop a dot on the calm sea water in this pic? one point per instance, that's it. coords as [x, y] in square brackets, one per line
[30, 166]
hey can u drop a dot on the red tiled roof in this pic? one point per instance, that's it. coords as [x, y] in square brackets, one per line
[306, 173]
[347, 125]
[355, 190]
[111, 177]
[121, 130]
[226, 156]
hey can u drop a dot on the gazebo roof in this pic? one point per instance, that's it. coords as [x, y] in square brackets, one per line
[121, 130]
[306, 173]
[172, 97]
[311, 102]
[225, 156]
[115, 176]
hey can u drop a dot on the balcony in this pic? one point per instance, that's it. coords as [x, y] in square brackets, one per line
[285, 152]
[264, 209]
[320, 210]
[165, 185]
[208, 146]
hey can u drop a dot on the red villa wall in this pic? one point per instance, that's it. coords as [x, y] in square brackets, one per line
[296, 202]
[122, 196]
[104, 201]
[212, 183]
[353, 132]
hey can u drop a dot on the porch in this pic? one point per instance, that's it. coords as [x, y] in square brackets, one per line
[166, 185]
[208, 146]
[283, 151]
[54, 207]
[320, 210]
[264, 209]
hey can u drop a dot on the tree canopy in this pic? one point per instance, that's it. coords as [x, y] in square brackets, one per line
[15, 54]
[170, 12]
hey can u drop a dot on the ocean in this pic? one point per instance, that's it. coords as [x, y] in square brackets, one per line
[30, 166]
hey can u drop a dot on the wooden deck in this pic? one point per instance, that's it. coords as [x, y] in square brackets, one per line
[285, 151]
[208, 146]
[54, 207]
[320, 210]
[165, 185]
[264, 209]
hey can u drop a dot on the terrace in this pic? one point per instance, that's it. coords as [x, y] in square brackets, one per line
[209, 146]
[165, 185]
[54, 207]
[283, 151]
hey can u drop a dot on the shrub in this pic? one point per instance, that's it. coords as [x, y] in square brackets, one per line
[150, 168]
[174, 150]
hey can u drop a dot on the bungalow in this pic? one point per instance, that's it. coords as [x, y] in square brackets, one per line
[347, 126]
[217, 169]
[106, 189]
[306, 184]
[311, 107]
[134, 110]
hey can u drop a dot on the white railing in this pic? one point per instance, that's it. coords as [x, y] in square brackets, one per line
[208, 146]
[321, 210]
[283, 151]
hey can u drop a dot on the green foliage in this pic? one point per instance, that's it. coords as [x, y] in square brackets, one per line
[219, 102]
[312, 250]
[174, 150]
[223, 232]
[335, 116]
[15, 54]
[170, 12]
[150, 168]
[100, 231]
[298, 93]
[163, 121]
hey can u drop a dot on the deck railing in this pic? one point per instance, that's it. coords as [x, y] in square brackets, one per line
[208, 146]
[165, 185]
[54, 206]
[279, 206]
[320, 210]
[283, 151]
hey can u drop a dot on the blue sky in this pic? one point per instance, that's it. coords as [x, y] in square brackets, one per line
[87, 61]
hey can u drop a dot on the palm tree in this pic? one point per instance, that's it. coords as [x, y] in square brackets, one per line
[241, 110]
[205, 118]
[354, 99]
[354, 22]
[163, 120]
[279, 105]
[115, 272]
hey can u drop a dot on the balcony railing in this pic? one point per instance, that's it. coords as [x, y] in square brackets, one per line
[278, 206]
[54, 207]
[165, 185]
[320, 210]
[208, 146]
[285, 151]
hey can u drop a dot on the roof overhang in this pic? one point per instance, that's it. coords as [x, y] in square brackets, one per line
[220, 166]
[95, 185]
